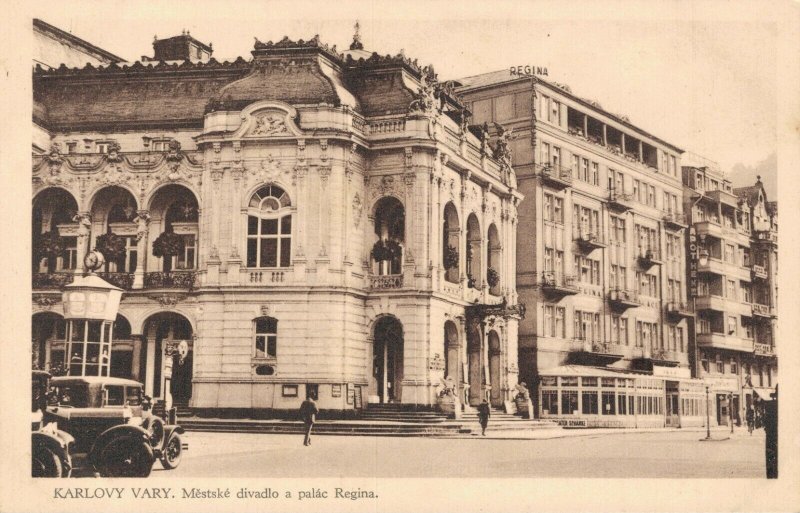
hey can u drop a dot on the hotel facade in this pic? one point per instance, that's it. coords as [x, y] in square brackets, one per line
[308, 222]
[601, 258]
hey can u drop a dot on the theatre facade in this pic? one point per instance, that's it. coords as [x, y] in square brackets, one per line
[306, 221]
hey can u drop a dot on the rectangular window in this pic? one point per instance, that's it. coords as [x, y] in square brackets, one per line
[585, 170]
[560, 322]
[609, 403]
[622, 404]
[558, 210]
[720, 365]
[555, 107]
[550, 402]
[734, 367]
[569, 402]
[556, 157]
[595, 173]
[545, 153]
[589, 402]
[549, 330]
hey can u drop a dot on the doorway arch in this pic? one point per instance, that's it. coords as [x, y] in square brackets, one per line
[451, 348]
[387, 357]
[496, 395]
[168, 336]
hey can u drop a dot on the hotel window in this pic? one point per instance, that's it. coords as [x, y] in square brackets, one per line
[617, 229]
[671, 341]
[548, 207]
[595, 173]
[731, 289]
[584, 170]
[731, 325]
[730, 253]
[569, 402]
[589, 400]
[609, 403]
[636, 187]
[651, 196]
[619, 330]
[560, 327]
[673, 165]
[545, 153]
[555, 107]
[550, 402]
[556, 157]
[616, 181]
[269, 228]
[266, 337]
[734, 367]
[720, 365]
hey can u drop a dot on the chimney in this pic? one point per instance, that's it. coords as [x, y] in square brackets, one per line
[181, 48]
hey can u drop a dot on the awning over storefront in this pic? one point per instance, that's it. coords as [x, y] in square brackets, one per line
[589, 371]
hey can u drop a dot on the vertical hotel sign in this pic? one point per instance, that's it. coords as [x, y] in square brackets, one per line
[692, 261]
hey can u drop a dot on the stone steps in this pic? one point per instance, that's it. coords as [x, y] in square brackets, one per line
[323, 427]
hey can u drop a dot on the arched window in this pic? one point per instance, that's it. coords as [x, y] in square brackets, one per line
[265, 343]
[269, 228]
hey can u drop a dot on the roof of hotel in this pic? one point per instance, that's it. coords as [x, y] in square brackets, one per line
[505, 76]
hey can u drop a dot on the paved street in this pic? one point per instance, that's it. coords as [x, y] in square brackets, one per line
[673, 454]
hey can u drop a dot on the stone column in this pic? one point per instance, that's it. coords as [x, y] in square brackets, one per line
[138, 341]
[213, 260]
[142, 226]
[235, 260]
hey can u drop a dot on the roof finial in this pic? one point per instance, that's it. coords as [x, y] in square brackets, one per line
[758, 178]
[356, 44]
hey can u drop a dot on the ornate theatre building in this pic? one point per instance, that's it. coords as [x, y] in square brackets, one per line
[307, 221]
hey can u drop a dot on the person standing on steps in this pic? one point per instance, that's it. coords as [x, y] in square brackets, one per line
[308, 412]
[483, 416]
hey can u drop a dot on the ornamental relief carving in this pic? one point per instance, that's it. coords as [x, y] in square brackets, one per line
[269, 124]
[358, 208]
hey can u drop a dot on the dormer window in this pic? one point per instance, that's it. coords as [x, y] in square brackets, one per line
[102, 147]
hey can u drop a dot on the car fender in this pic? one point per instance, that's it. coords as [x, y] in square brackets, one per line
[114, 432]
[168, 430]
[58, 443]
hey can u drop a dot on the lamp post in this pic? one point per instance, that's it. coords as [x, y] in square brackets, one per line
[730, 410]
[708, 416]
[90, 309]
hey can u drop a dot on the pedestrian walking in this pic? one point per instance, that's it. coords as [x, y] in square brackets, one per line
[308, 412]
[750, 417]
[483, 416]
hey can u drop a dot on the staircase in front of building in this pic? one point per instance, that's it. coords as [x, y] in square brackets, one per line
[377, 420]
[182, 407]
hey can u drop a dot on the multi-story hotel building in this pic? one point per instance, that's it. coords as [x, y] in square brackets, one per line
[733, 277]
[308, 221]
[601, 258]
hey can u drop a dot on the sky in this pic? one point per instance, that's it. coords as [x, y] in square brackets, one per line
[700, 78]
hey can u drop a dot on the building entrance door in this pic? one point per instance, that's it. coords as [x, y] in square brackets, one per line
[722, 410]
[388, 359]
[673, 405]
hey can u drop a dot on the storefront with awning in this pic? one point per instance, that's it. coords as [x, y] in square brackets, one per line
[584, 396]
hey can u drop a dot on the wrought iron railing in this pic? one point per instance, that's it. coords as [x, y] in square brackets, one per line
[170, 280]
[121, 280]
[52, 280]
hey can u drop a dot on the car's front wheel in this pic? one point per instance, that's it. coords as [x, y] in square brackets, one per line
[46, 463]
[172, 452]
[126, 456]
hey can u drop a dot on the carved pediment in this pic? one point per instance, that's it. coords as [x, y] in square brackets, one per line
[268, 119]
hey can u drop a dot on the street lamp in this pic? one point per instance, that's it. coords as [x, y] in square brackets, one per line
[90, 309]
[708, 416]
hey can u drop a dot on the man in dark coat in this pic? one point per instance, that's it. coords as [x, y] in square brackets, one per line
[308, 412]
[483, 416]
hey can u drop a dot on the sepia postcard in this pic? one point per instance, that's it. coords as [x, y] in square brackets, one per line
[400, 256]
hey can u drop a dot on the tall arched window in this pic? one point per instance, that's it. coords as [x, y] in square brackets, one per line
[269, 228]
[265, 343]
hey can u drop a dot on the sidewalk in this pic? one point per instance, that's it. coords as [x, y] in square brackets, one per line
[718, 433]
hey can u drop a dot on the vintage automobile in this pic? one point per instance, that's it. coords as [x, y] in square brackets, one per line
[50, 447]
[114, 431]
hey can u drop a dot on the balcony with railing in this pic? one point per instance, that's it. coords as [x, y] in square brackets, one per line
[674, 221]
[709, 228]
[257, 277]
[385, 281]
[648, 258]
[558, 284]
[759, 272]
[52, 281]
[767, 236]
[184, 280]
[555, 176]
[707, 301]
[678, 310]
[722, 341]
[121, 280]
[655, 356]
[622, 299]
[595, 353]
[589, 241]
[619, 201]
[724, 197]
